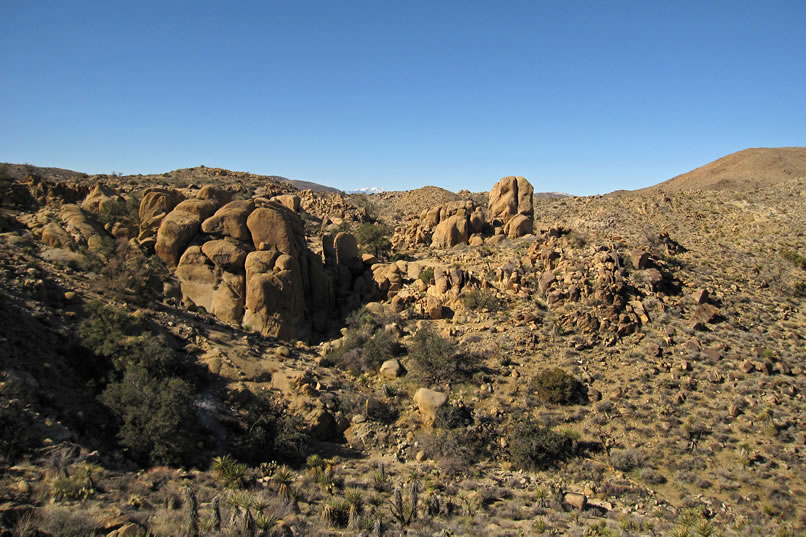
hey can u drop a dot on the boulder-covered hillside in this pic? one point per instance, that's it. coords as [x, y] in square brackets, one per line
[215, 353]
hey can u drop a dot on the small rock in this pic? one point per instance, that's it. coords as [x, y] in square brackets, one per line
[706, 313]
[576, 500]
[747, 366]
[391, 369]
[700, 296]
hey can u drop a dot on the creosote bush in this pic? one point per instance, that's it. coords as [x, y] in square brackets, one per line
[533, 446]
[481, 299]
[555, 386]
[367, 345]
[437, 359]
[152, 404]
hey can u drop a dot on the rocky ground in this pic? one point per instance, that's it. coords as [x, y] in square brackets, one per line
[675, 318]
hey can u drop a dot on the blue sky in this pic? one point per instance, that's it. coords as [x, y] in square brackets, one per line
[579, 97]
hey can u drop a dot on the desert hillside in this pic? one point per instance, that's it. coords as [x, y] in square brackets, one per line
[743, 170]
[214, 353]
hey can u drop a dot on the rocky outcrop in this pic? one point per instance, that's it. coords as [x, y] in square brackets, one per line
[511, 206]
[154, 207]
[249, 264]
[83, 228]
[275, 226]
[174, 233]
[102, 199]
[450, 232]
[275, 296]
[230, 220]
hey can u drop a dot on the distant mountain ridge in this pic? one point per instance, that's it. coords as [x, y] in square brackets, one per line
[743, 170]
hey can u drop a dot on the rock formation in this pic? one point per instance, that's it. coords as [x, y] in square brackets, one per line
[511, 206]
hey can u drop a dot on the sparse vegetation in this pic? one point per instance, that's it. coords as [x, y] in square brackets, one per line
[534, 446]
[159, 414]
[437, 359]
[373, 238]
[555, 386]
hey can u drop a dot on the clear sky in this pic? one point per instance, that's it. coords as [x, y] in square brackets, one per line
[579, 97]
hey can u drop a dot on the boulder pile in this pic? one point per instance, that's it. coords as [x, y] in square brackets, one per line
[247, 262]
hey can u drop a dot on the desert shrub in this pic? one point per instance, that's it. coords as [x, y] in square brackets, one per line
[66, 522]
[264, 432]
[127, 273]
[480, 299]
[106, 329]
[126, 212]
[152, 405]
[374, 239]
[555, 386]
[78, 485]
[800, 289]
[380, 347]
[533, 446]
[367, 345]
[626, 459]
[427, 275]
[454, 449]
[437, 359]
[795, 258]
[452, 417]
[156, 415]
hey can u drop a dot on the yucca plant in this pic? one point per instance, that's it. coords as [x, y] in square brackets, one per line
[314, 461]
[380, 481]
[266, 522]
[282, 478]
[230, 471]
[404, 511]
[325, 477]
[355, 501]
[335, 513]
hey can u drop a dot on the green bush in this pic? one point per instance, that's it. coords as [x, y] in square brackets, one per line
[264, 432]
[479, 299]
[555, 386]
[127, 341]
[435, 358]
[153, 407]
[156, 416]
[533, 446]
[374, 239]
[427, 275]
[367, 345]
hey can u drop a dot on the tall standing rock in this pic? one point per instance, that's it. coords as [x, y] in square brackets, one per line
[512, 197]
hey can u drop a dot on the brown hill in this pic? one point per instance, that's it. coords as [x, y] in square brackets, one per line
[743, 170]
